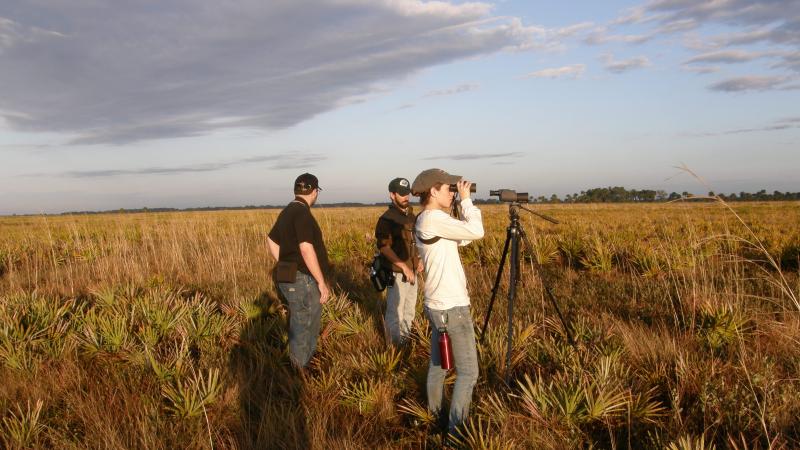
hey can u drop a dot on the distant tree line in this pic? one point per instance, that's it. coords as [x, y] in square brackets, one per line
[615, 194]
[619, 194]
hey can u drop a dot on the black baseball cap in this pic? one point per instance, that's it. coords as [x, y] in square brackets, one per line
[306, 183]
[400, 186]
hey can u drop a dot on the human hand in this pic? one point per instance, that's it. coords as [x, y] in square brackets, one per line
[463, 189]
[408, 274]
[324, 293]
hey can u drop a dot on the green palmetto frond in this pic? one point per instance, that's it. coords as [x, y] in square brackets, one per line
[361, 395]
[644, 408]
[720, 327]
[419, 414]
[599, 256]
[609, 369]
[477, 434]
[22, 427]
[689, 442]
[646, 262]
[386, 362]
[494, 407]
[534, 398]
[17, 357]
[545, 248]
[605, 403]
[189, 398]
[350, 325]
[571, 245]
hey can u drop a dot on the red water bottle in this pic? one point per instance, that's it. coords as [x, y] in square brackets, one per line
[445, 349]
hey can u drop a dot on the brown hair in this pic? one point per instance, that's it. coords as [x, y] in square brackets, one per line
[425, 197]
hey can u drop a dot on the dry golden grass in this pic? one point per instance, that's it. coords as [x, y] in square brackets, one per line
[164, 330]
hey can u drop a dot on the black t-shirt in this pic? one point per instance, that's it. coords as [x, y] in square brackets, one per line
[394, 228]
[294, 225]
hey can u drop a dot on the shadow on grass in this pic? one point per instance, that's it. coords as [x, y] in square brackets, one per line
[270, 389]
[353, 279]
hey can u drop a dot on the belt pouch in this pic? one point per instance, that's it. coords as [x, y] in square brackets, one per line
[286, 271]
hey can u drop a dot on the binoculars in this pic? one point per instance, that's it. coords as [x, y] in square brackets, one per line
[472, 188]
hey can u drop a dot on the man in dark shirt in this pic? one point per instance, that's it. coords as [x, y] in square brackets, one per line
[394, 238]
[295, 241]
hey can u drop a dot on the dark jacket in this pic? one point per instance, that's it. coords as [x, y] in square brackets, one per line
[395, 229]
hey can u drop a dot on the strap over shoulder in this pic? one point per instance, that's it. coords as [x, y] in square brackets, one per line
[430, 241]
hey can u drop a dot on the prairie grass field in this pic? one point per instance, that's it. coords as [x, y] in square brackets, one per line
[165, 330]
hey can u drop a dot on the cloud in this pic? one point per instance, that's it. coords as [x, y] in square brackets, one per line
[625, 65]
[106, 72]
[278, 162]
[773, 24]
[791, 61]
[778, 125]
[474, 156]
[726, 56]
[776, 21]
[571, 71]
[701, 69]
[749, 83]
[574, 29]
[460, 89]
[601, 35]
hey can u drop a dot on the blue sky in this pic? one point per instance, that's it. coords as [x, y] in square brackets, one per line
[178, 103]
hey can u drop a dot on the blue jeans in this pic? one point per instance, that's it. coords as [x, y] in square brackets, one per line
[462, 338]
[305, 313]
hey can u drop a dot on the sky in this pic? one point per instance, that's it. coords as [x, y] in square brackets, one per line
[190, 103]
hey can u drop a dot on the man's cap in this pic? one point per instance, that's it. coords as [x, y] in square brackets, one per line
[400, 186]
[428, 178]
[306, 183]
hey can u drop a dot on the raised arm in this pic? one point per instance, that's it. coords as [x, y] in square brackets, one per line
[447, 227]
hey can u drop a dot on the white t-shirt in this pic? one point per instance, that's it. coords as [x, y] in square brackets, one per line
[445, 282]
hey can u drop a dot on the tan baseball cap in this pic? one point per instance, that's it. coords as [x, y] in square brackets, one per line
[428, 178]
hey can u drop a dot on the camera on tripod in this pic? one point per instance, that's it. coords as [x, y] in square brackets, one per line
[510, 196]
[515, 237]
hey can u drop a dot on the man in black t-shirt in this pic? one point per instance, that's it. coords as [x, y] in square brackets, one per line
[395, 242]
[295, 241]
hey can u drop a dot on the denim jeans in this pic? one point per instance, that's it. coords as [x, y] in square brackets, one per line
[461, 331]
[401, 307]
[305, 313]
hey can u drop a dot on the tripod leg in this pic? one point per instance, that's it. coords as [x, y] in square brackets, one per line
[512, 291]
[549, 291]
[496, 284]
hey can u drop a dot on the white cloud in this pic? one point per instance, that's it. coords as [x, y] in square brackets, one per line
[701, 69]
[602, 35]
[749, 83]
[117, 73]
[726, 56]
[460, 89]
[625, 65]
[571, 71]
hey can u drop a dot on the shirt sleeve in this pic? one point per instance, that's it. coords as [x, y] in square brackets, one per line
[304, 227]
[274, 234]
[383, 233]
[464, 231]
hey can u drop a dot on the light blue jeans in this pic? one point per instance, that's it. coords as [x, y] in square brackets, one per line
[461, 331]
[401, 307]
[305, 313]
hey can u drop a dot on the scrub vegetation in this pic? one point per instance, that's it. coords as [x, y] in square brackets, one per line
[164, 330]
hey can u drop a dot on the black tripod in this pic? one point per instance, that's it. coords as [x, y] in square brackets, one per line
[513, 234]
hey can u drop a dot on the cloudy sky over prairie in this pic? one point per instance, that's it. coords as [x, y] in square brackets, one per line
[177, 103]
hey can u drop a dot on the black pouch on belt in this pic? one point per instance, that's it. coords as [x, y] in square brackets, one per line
[286, 271]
